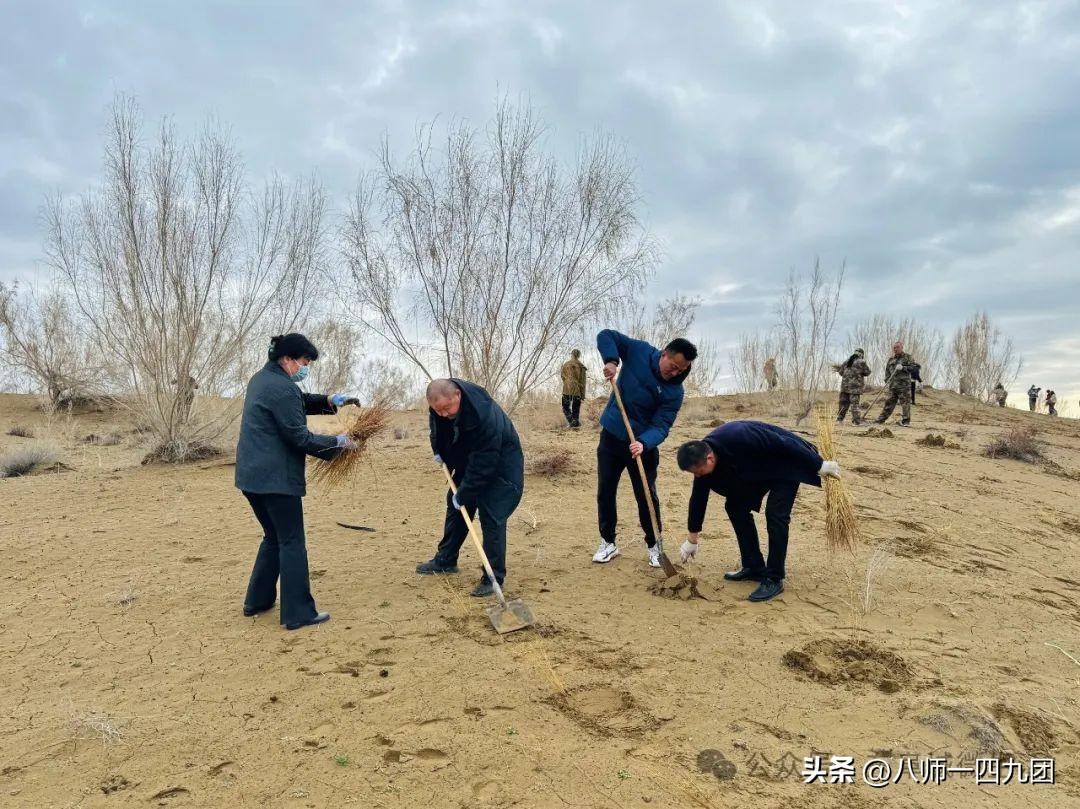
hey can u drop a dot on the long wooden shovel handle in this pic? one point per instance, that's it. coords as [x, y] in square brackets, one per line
[668, 567]
[476, 539]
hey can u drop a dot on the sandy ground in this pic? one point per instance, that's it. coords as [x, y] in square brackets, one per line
[128, 676]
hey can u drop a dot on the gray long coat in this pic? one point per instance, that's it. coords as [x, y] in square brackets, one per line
[274, 437]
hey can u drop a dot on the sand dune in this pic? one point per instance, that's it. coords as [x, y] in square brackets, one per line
[129, 678]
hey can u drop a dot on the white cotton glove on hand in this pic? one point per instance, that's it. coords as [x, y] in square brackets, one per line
[688, 551]
[438, 460]
[830, 469]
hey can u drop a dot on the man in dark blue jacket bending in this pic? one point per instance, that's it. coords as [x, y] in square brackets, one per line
[478, 443]
[744, 461]
[651, 383]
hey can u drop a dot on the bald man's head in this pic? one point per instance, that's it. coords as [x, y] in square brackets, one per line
[444, 398]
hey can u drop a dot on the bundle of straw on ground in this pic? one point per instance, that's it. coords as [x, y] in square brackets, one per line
[841, 524]
[362, 424]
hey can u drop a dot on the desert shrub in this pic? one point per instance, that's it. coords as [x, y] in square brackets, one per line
[26, 460]
[1018, 443]
[401, 433]
[550, 464]
[21, 432]
[180, 451]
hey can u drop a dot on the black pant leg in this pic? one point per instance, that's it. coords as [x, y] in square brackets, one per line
[575, 411]
[455, 532]
[742, 520]
[262, 585]
[287, 514]
[495, 510]
[651, 461]
[566, 400]
[610, 463]
[777, 523]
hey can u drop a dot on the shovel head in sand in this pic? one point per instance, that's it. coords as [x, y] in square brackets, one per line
[506, 616]
[510, 616]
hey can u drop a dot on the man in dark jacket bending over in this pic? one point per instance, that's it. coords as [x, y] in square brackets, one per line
[478, 443]
[651, 383]
[744, 461]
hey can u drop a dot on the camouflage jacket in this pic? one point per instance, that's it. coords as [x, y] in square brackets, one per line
[853, 376]
[899, 377]
[573, 378]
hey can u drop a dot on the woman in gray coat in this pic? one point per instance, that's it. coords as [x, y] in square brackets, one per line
[270, 456]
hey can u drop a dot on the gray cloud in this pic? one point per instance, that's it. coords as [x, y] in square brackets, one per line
[931, 145]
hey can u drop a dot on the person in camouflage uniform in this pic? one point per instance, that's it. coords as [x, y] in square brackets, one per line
[771, 376]
[898, 380]
[573, 388]
[853, 374]
[1000, 394]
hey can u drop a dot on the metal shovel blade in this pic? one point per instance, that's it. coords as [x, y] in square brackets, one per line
[514, 616]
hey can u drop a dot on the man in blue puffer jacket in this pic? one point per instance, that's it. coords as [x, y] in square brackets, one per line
[651, 384]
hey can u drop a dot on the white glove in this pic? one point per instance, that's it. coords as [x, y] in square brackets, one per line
[830, 469]
[688, 550]
[345, 442]
[454, 500]
[438, 460]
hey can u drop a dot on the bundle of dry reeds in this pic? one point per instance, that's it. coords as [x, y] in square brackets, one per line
[841, 524]
[361, 425]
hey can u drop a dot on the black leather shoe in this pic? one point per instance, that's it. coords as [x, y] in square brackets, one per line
[770, 588]
[320, 618]
[483, 590]
[433, 568]
[251, 612]
[746, 574]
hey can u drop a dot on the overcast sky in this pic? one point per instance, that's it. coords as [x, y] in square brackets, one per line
[934, 145]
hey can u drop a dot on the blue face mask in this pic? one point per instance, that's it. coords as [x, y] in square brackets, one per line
[300, 375]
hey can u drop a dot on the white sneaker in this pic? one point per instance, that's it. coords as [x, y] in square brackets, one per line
[606, 552]
[654, 556]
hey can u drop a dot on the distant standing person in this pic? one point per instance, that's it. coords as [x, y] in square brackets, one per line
[853, 374]
[771, 377]
[1033, 398]
[651, 384]
[573, 388]
[1051, 403]
[898, 380]
[274, 439]
[476, 440]
[1000, 394]
[744, 461]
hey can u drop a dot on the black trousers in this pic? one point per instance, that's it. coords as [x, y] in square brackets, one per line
[571, 408]
[282, 553]
[496, 506]
[612, 458]
[777, 522]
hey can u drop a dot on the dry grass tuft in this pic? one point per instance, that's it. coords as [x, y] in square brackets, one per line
[932, 440]
[26, 460]
[550, 464]
[1018, 443]
[841, 523]
[180, 452]
[365, 423]
[21, 432]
